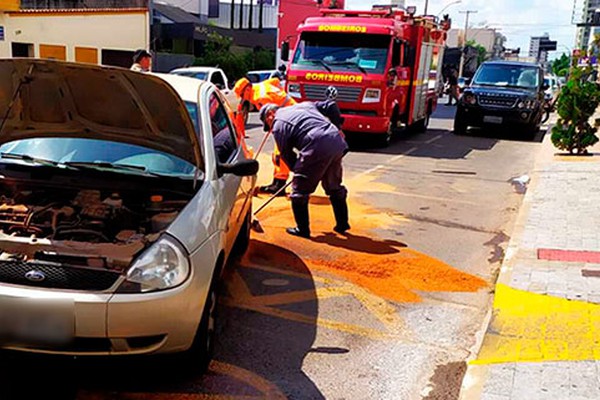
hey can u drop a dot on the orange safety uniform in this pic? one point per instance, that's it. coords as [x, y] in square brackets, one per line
[263, 93]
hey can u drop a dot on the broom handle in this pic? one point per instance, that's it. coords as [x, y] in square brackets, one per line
[273, 197]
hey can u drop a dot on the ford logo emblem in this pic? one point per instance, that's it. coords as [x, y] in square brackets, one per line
[35, 276]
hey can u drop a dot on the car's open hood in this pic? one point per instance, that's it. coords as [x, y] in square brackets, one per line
[59, 99]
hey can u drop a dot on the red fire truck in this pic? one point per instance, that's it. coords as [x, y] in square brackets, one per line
[385, 66]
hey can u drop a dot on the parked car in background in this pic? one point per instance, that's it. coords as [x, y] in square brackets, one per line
[259, 76]
[502, 94]
[553, 87]
[216, 76]
[119, 209]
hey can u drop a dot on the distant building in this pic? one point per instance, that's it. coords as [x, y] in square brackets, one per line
[584, 12]
[90, 31]
[535, 53]
[492, 40]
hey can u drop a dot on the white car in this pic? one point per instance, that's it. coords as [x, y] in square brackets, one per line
[216, 76]
[123, 195]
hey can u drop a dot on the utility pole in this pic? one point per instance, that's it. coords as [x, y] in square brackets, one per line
[464, 46]
[426, 7]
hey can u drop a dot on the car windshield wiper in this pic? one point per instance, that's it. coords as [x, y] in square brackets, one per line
[25, 157]
[113, 166]
[321, 63]
[350, 64]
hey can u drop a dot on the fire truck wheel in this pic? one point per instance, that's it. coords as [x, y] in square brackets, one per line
[421, 126]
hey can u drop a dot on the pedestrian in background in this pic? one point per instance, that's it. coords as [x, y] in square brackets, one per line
[453, 83]
[313, 147]
[142, 61]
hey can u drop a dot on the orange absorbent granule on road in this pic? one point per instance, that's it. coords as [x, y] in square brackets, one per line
[384, 267]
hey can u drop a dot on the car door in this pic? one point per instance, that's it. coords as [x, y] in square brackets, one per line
[234, 192]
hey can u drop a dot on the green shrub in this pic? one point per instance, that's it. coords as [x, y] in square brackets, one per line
[577, 102]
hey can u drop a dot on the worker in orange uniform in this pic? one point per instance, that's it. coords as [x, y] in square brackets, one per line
[260, 94]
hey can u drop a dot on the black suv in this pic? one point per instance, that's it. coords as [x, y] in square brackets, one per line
[502, 93]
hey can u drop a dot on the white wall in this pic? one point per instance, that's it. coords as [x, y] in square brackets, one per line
[118, 31]
[485, 37]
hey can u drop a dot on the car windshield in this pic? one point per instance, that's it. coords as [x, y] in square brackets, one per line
[92, 151]
[342, 52]
[507, 75]
[256, 77]
[192, 74]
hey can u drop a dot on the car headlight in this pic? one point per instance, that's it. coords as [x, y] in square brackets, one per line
[521, 104]
[163, 265]
[372, 96]
[294, 90]
[469, 98]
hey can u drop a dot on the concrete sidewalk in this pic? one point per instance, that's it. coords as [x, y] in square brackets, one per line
[543, 340]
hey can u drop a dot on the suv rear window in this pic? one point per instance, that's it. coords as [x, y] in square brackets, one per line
[519, 76]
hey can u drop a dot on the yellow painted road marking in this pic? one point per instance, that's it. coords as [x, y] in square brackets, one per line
[241, 297]
[529, 327]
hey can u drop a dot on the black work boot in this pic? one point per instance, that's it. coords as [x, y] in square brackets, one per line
[274, 187]
[300, 209]
[340, 210]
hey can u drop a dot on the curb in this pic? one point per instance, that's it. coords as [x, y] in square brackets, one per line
[476, 375]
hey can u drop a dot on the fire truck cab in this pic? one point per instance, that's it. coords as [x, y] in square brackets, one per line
[385, 66]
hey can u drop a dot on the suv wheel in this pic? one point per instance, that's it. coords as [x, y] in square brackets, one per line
[460, 125]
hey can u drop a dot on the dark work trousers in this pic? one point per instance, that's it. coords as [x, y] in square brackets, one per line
[328, 171]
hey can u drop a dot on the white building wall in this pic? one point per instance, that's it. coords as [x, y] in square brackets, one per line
[114, 31]
[483, 36]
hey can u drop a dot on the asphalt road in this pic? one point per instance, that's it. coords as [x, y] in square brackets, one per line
[390, 311]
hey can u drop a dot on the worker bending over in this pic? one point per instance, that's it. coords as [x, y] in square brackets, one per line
[304, 129]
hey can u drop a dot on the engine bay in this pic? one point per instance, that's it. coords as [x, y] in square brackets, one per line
[67, 225]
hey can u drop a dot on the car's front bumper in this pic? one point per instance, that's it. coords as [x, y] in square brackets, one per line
[113, 324]
[475, 116]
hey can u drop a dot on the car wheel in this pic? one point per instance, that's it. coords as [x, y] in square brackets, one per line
[201, 351]
[243, 238]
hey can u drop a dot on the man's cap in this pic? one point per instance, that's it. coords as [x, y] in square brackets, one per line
[240, 85]
[139, 54]
[263, 114]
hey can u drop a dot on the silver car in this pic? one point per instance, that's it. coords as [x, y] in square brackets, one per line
[122, 196]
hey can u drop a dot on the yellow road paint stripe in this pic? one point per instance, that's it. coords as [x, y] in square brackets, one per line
[529, 327]
[297, 317]
[294, 297]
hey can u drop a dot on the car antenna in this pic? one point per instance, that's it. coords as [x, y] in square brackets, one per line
[22, 81]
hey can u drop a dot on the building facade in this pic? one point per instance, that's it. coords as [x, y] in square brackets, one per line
[106, 32]
[584, 13]
[535, 53]
[492, 40]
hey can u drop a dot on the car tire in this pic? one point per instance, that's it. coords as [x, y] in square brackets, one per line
[199, 355]
[421, 125]
[242, 242]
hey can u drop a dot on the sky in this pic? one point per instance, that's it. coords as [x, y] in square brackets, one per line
[518, 20]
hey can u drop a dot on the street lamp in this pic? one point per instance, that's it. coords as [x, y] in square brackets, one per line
[448, 5]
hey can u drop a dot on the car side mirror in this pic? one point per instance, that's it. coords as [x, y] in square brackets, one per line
[240, 168]
[545, 87]
[285, 51]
